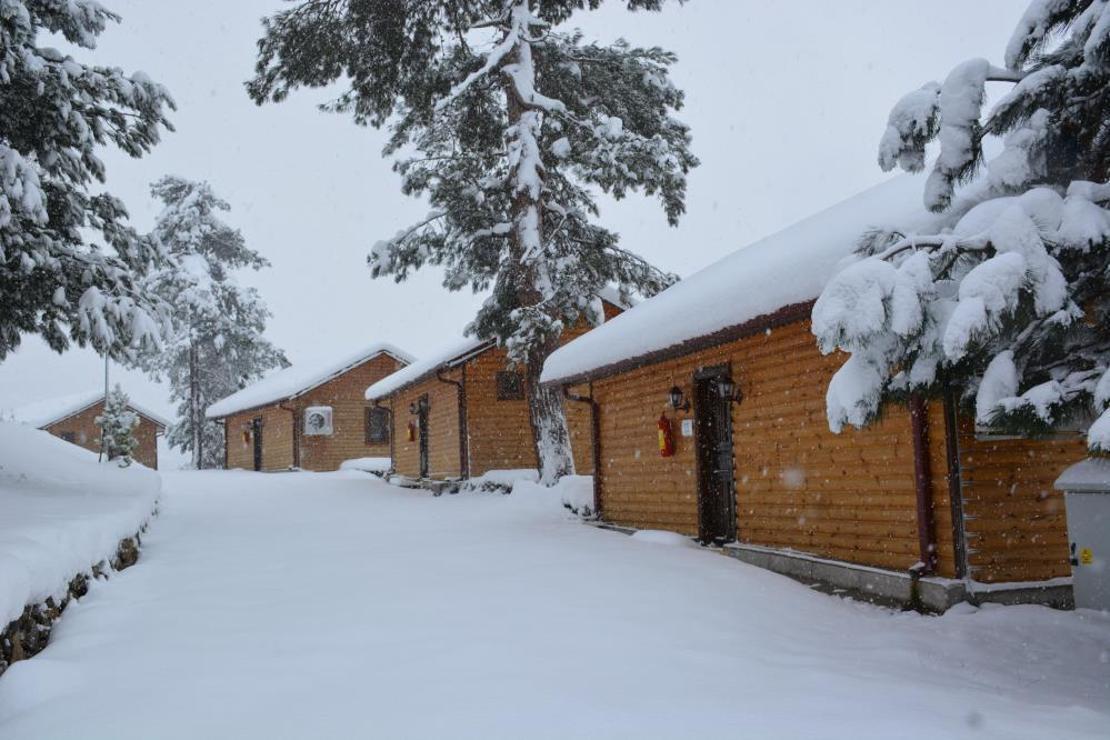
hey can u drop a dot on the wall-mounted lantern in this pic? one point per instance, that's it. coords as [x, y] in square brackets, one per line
[729, 391]
[678, 399]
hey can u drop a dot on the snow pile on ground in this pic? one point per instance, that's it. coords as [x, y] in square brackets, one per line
[61, 512]
[504, 481]
[791, 266]
[663, 537]
[377, 465]
[394, 615]
[293, 381]
[575, 492]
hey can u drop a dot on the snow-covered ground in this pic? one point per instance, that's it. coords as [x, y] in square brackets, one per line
[61, 512]
[336, 606]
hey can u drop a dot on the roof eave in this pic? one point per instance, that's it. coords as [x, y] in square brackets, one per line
[789, 314]
[452, 362]
[282, 399]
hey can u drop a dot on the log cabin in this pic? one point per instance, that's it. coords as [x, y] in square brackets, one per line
[462, 412]
[73, 418]
[709, 401]
[309, 417]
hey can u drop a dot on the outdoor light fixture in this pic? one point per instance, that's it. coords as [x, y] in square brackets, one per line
[678, 399]
[728, 390]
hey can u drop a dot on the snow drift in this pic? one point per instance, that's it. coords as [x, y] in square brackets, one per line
[61, 512]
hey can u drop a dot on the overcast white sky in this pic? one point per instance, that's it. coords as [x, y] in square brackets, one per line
[786, 102]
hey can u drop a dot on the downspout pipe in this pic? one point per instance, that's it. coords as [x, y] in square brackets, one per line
[923, 487]
[595, 446]
[296, 434]
[464, 443]
[955, 480]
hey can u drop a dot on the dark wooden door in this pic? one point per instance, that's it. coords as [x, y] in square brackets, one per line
[422, 432]
[713, 440]
[256, 435]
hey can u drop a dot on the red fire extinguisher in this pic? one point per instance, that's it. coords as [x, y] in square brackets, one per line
[666, 437]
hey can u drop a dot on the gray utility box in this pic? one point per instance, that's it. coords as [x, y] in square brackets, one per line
[1086, 488]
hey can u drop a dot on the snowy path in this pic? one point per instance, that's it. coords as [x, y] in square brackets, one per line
[333, 606]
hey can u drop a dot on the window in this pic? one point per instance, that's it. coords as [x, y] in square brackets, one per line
[70, 437]
[510, 386]
[377, 426]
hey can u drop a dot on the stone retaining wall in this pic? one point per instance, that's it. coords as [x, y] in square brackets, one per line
[30, 633]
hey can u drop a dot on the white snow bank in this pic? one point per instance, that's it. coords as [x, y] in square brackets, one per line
[367, 464]
[576, 492]
[43, 413]
[663, 537]
[297, 379]
[501, 480]
[789, 267]
[61, 512]
[417, 370]
[509, 477]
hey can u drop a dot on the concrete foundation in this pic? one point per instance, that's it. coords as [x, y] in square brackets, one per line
[891, 588]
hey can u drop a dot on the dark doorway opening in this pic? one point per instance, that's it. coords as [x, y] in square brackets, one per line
[713, 441]
[422, 432]
[256, 435]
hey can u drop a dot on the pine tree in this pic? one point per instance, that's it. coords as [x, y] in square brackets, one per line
[1010, 304]
[508, 126]
[56, 281]
[117, 427]
[217, 345]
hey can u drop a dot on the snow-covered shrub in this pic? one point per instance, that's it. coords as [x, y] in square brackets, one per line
[499, 481]
[577, 494]
[117, 428]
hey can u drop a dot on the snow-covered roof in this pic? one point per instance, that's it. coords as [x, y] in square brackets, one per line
[451, 355]
[44, 413]
[786, 268]
[293, 381]
[458, 352]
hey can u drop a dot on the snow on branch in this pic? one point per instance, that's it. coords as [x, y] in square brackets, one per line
[1039, 19]
[992, 290]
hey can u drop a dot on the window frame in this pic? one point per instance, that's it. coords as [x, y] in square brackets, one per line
[386, 432]
[509, 385]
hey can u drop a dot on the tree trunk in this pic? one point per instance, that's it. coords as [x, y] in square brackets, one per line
[194, 407]
[549, 423]
[545, 405]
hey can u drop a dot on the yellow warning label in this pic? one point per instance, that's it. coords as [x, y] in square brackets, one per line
[1086, 556]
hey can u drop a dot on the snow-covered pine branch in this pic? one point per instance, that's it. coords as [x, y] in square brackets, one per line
[508, 126]
[55, 113]
[1010, 304]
